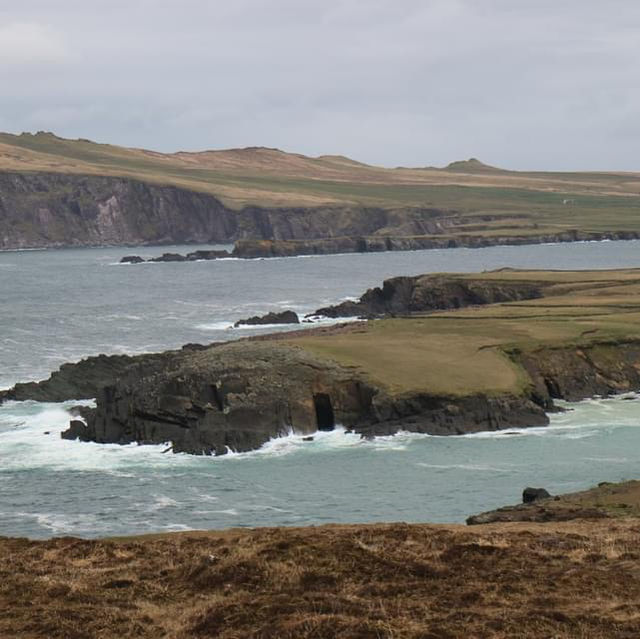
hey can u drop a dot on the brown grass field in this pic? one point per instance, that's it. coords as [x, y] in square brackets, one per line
[396, 581]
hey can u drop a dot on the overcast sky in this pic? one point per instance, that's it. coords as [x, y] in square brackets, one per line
[539, 84]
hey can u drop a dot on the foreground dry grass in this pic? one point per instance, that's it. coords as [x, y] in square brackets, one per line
[577, 579]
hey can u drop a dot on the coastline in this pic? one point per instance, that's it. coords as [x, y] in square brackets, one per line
[239, 395]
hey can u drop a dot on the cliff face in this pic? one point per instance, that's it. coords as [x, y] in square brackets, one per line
[238, 396]
[389, 240]
[48, 210]
[581, 372]
[420, 293]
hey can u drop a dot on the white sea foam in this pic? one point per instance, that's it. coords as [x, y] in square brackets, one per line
[215, 326]
[30, 438]
[24, 444]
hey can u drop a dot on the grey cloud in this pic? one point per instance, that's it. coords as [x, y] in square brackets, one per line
[521, 84]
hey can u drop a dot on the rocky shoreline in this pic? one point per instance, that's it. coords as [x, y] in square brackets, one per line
[238, 395]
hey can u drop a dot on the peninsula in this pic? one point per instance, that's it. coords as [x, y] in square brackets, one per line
[56, 192]
[453, 354]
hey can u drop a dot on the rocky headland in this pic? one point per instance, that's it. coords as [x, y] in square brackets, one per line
[507, 344]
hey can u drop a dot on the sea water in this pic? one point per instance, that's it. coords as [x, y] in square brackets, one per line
[60, 305]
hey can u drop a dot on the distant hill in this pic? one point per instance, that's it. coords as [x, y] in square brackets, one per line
[472, 165]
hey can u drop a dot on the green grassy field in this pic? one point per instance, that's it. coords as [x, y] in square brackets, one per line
[463, 352]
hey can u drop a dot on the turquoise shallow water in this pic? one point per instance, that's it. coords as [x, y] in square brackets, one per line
[61, 305]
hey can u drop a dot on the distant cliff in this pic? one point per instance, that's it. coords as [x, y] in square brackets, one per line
[55, 210]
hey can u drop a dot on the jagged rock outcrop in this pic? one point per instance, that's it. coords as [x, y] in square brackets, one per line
[239, 395]
[235, 397]
[195, 256]
[284, 317]
[579, 372]
[402, 295]
[83, 379]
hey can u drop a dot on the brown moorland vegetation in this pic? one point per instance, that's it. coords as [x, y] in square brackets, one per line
[573, 579]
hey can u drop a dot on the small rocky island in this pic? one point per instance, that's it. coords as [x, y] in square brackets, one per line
[453, 354]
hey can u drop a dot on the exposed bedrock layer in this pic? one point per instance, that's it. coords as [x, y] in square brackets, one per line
[607, 500]
[390, 241]
[48, 210]
[411, 294]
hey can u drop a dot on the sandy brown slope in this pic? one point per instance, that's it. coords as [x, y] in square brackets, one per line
[577, 579]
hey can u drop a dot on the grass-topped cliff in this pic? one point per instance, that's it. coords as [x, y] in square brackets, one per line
[462, 353]
[328, 196]
[473, 350]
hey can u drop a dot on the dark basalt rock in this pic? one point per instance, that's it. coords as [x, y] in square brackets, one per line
[76, 430]
[169, 257]
[424, 293]
[530, 495]
[207, 255]
[131, 259]
[83, 379]
[285, 317]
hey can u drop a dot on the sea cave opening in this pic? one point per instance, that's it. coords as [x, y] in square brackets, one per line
[324, 412]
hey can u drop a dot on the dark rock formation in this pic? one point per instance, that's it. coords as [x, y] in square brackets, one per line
[604, 368]
[607, 500]
[76, 430]
[318, 245]
[207, 255]
[177, 257]
[537, 511]
[234, 397]
[534, 494]
[284, 317]
[83, 379]
[403, 295]
[169, 257]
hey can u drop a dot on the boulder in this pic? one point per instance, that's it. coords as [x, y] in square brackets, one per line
[131, 259]
[534, 494]
[76, 430]
[285, 317]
